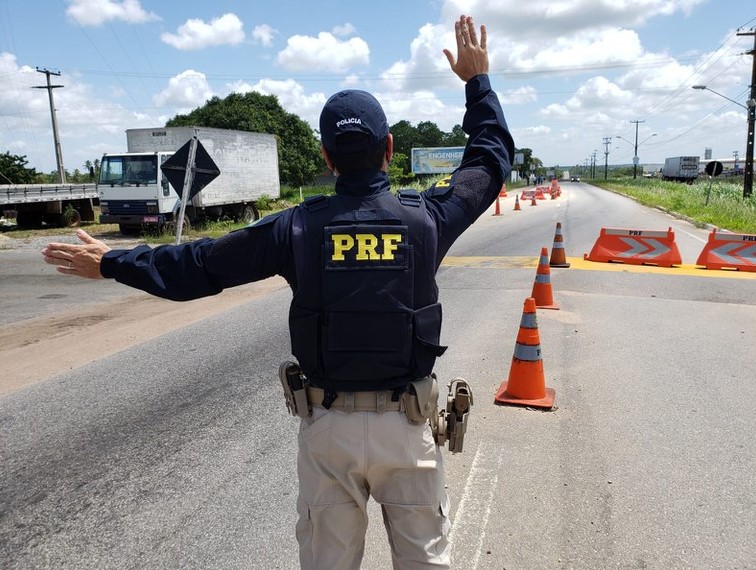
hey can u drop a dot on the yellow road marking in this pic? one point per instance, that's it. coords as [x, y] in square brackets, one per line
[514, 262]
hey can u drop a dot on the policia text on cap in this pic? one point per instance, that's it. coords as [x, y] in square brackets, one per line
[365, 329]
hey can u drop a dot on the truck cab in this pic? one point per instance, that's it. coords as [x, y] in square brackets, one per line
[134, 193]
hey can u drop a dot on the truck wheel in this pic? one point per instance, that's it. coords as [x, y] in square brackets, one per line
[247, 214]
[70, 219]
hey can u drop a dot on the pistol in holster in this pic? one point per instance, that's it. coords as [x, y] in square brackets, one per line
[451, 422]
[295, 389]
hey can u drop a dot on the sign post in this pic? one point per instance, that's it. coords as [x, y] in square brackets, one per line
[713, 168]
[189, 170]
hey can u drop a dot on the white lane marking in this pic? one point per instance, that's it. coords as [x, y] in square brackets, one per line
[478, 478]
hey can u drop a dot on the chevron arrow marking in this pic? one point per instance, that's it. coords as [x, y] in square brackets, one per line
[639, 247]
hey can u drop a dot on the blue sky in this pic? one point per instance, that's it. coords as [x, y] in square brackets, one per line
[569, 73]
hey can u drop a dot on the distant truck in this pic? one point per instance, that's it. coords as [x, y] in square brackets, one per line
[680, 168]
[136, 195]
[58, 205]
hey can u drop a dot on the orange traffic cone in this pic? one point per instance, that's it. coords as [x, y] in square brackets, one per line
[503, 192]
[533, 201]
[558, 257]
[517, 202]
[497, 212]
[525, 385]
[542, 293]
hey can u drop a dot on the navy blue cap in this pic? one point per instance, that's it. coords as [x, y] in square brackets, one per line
[352, 111]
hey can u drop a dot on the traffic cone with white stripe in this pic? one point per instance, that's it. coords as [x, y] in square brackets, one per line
[558, 257]
[497, 211]
[517, 202]
[525, 385]
[542, 293]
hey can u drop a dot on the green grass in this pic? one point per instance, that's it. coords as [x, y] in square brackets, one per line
[725, 208]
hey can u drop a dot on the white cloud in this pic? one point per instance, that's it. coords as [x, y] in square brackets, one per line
[519, 96]
[345, 30]
[323, 53]
[185, 91]
[263, 34]
[291, 95]
[88, 125]
[97, 12]
[544, 20]
[427, 67]
[197, 34]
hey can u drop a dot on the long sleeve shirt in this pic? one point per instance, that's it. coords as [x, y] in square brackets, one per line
[207, 266]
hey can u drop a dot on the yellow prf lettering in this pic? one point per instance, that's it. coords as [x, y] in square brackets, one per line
[341, 243]
[390, 243]
[366, 244]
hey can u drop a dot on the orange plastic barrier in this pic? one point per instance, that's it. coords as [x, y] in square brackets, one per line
[558, 256]
[536, 192]
[542, 293]
[636, 247]
[526, 385]
[729, 251]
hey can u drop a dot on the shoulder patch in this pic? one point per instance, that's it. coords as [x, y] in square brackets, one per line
[441, 187]
[315, 203]
[409, 198]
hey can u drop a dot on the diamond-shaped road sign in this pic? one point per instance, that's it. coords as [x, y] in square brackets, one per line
[205, 169]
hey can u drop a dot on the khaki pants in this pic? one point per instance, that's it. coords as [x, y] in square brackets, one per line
[345, 458]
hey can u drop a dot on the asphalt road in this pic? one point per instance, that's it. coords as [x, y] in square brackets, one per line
[177, 453]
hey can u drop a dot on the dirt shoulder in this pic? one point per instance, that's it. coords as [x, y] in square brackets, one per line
[37, 349]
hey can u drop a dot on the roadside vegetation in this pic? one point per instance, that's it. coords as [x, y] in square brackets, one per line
[705, 202]
[722, 206]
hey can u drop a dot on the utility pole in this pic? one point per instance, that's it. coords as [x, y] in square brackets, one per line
[751, 108]
[593, 164]
[56, 138]
[635, 154]
[607, 142]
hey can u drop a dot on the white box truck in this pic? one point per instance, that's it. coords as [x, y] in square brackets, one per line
[136, 195]
[680, 168]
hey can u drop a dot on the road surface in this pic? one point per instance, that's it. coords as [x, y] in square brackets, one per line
[172, 448]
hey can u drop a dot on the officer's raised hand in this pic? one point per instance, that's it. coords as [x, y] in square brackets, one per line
[472, 57]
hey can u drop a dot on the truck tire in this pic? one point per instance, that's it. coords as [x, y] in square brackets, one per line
[70, 219]
[247, 214]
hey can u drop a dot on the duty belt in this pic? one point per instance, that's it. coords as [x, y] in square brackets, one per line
[357, 401]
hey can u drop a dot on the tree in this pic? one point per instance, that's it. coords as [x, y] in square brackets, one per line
[529, 164]
[13, 169]
[456, 137]
[299, 159]
[429, 134]
[405, 137]
[399, 170]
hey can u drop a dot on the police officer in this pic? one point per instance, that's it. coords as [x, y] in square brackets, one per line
[367, 324]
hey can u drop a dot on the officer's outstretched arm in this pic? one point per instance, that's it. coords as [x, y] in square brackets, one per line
[472, 56]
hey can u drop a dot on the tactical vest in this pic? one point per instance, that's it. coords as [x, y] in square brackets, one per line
[365, 315]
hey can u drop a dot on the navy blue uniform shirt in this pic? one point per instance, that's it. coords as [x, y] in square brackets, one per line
[207, 266]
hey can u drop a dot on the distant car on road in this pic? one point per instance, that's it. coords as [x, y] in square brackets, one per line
[575, 179]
